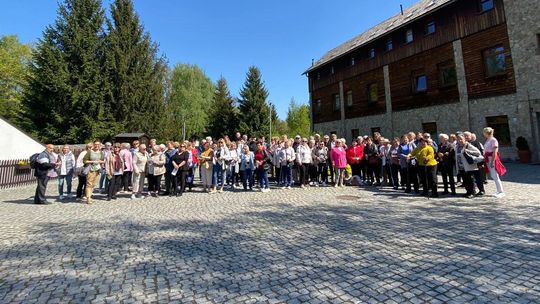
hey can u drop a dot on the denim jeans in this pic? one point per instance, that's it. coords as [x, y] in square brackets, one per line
[247, 179]
[218, 173]
[287, 175]
[64, 179]
[263, 179]
[103, 181]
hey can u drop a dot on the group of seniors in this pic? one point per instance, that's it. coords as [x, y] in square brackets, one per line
[412, 161]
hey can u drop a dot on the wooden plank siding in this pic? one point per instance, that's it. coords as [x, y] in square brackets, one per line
[403, 71]
[456, 21]
[478, 85]
[359, 87]
[326, 95]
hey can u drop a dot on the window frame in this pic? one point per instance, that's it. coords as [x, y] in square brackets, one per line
[317, 107]
[336, 107]
[440, 68]
[390, 42]
[410, 30]
[488, 52]
[503, 141]
[349, 103]
[426, 31]
[481, 9]
[415, 78]
[371, 53]
[369, 88]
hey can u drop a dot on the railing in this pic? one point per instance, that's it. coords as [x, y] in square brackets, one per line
[15, 173]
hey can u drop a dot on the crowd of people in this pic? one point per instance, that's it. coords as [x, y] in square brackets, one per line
[410, 164]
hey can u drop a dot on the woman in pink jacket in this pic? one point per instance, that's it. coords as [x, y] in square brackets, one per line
[339, 161]
[127, 159]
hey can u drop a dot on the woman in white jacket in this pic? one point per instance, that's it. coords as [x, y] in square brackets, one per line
[286, 158]
[465, 155]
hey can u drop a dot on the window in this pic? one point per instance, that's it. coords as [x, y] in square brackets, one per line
[332, 70]
[430, 28]
[495, 61]
[337, 103]
[371, 53]
[502, 129]
[317, 106]
[373, 93]
[486, 5]
[420, 83]
[349, 99]
[389, 44]
[431, 128]
[355, 133]
[409, 36]
[447, 74]
[352, 61]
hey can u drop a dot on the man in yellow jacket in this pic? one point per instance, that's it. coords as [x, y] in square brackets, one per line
[427, 166]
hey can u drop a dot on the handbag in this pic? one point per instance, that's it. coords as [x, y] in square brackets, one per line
[85, 170]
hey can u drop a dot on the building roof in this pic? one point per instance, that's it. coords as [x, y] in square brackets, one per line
[420, 9]
[131, 135]
[16, 144]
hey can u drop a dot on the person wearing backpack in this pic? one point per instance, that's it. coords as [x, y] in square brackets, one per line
[44, 163]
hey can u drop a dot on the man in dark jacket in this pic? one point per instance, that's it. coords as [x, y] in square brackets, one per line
[45, 163]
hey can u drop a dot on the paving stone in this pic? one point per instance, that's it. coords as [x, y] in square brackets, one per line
[299, 245]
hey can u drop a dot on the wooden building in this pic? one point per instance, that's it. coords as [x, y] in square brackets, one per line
[440, 66]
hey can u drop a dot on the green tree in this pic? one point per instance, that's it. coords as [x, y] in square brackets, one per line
[136, 73]
[298, 119]
[254, 109]
[15, 58]
[224, 117]
[65, 100]
[190, 100]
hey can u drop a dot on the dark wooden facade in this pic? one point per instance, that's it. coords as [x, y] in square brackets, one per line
[358, 85]
[458, 20]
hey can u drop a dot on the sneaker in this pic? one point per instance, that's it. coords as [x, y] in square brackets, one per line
[288, 187]
[61, 197]
[302, 186]
[324, 184]
[284, 187]
[336, 185]
[500, 195]
[481, 193]
[133, 196]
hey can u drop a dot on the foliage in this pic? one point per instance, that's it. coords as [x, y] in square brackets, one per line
[65, 100]
[191, 97]
[298, 119]
[136, 73]
[14, 73]
[223, 119]
[253, 106]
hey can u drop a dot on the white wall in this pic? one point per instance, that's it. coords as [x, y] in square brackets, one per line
[16, 144]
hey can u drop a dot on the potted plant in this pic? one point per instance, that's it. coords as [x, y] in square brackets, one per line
[524, 152]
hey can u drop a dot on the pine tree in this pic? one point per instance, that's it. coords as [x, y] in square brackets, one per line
[254, 118]
[135, 71]
[224, 118]
[65, 98]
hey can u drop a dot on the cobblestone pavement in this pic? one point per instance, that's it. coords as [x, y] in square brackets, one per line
[319, 245]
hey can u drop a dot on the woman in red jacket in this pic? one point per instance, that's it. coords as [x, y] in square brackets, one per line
[355, 154]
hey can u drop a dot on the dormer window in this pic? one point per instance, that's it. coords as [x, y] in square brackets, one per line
[430, 28]
[352, 61]
[371, 53]
[332, 70]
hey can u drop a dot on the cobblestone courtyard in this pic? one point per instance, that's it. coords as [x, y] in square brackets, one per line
[321, 245]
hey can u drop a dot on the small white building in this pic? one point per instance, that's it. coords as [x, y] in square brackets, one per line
[15, 143]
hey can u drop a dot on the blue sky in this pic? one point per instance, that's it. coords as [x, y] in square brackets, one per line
[226, 37]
